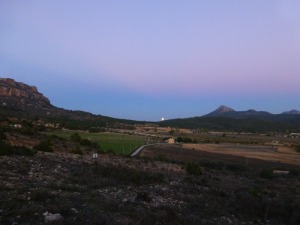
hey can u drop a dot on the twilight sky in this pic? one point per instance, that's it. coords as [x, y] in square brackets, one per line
[149, 59]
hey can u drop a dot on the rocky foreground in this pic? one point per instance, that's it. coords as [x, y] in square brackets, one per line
[122, 190]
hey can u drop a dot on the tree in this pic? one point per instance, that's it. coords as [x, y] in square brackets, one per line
[76, 138]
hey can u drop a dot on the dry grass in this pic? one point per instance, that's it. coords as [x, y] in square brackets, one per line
[268, 153]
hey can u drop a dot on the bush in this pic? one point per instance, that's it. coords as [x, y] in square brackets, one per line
[43, 146]
[266, 173]
[41, 195]
[186, 140]
[82, 141]
[179, 139]
[21, 150]
[194, 169]
[88, 143]
[6, 149]
[294, 172]
[162, 158]
[75, 137]
[2, 135]
[212, 165]
[77, 151]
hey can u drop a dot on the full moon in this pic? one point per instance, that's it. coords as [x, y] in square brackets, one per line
[162, 119]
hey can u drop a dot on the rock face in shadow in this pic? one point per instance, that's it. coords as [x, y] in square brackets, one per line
[19, 97]
[11, 88]
[22, 100]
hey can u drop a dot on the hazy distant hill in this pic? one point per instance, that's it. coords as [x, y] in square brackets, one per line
[224, 111]
[225, 118]
[292, 112]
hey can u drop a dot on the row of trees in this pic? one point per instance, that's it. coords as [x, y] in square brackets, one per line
[186, 140]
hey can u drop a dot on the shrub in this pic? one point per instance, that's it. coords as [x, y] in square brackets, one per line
[41, 195]
[6, 149]
[294, 172]
[186, 140]
[143, 196]
[194, 169]
[77, 151]
[2, 135]
[236, 167]
[179, 139]
[266, 173]
[26, 130]
[75, 137]
[21, 150]
[43, 146]
[85, 142]
[162, 158]
[110, 151]
[212, 164]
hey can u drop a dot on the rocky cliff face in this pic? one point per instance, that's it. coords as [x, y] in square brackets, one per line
[11, 88]
[21, 97]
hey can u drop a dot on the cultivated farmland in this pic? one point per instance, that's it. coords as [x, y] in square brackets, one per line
[112, 142]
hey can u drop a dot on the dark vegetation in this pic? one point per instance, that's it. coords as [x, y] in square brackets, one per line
[186, 140]
[194, 168]
[6, 149]
[73, 120]
[79, 120]
[44, 146]
[281, 123]
[297, 147]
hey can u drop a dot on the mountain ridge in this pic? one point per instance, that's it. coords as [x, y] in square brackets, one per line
[293, 111]
[22, 100]
[225, 111]
[225, 118]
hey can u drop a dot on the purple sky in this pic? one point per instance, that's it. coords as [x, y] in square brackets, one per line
[149, 59]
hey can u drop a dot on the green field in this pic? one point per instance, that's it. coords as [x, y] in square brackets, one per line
[118, 143]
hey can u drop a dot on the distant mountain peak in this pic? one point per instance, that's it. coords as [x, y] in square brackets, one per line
[221, 111]
[224, 109]
[251, 110]
[294, 111]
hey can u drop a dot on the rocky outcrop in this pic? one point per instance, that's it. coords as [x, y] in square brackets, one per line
[11, 88]
[20, 99]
